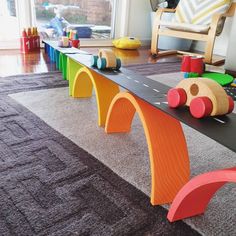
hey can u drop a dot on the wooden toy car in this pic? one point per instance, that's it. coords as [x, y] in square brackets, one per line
[204, 97]
[106, 59]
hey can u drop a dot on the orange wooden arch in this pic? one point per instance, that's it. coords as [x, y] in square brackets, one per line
[166, 144]
[105, 90]
[194, 197]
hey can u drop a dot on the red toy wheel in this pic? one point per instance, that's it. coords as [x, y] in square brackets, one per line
[201, 107]
[176, 97]
[231, 104]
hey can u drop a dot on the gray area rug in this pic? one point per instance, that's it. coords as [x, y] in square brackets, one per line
[51, 186]
[127, 154]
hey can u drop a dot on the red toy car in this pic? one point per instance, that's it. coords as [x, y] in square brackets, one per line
[205, 97]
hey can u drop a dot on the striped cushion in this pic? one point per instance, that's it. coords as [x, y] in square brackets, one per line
[185, 27]
[199, 11]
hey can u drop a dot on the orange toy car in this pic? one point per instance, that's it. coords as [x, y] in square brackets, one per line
[204, 97]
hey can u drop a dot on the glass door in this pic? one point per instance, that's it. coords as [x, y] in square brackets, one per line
[9, 24]
[93, 19]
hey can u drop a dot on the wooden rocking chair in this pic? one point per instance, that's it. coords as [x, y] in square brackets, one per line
[209, 36]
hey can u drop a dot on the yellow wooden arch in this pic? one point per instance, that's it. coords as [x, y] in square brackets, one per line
[105, 90]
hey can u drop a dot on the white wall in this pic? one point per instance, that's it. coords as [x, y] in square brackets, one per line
[140, 19]
[230, 62]
[221, 43]
[133, 19]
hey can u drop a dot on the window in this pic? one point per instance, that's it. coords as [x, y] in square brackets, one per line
[90, 18]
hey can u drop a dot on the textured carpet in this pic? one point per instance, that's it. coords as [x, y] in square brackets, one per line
[51, 186]
[127, 155]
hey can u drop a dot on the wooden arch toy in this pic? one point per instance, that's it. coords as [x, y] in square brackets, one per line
[205, 97]
[194, 197]
[105, 90]
[166, 144]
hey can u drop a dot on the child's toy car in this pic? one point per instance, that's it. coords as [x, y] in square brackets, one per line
[106, 59]
[205, 97]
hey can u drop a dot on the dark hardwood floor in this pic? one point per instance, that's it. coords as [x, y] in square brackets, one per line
[13, 62]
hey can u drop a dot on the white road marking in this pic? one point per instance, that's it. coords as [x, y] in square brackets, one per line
[156, 90]
[221, 121]
[136, 81]
[145, 85]
[165, 102]
[157, 103]
[128, 77]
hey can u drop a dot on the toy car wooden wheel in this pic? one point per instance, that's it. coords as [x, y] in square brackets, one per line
[201, 107]
[101, 63]
[176, 97]
[94, 60]
[118, 64]
[231, 104]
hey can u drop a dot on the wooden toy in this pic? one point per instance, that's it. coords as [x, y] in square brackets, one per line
[29, 32]
[194, 197]
[205, 97]
[36, 39]
[191, 64]
[222, 79]
[75, 43]
[65, 41]
[169, 169]
[185, 66]
[60, 43]
[106, 59]
[194, 67]
[64, 33]
[24, 42]
[30, 40]
[68, 33]
[165, 138]
[234, 83]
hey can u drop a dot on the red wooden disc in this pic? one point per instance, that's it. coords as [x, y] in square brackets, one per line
[201, 107]
[176, 97]
[231, 104]
[186, 62]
